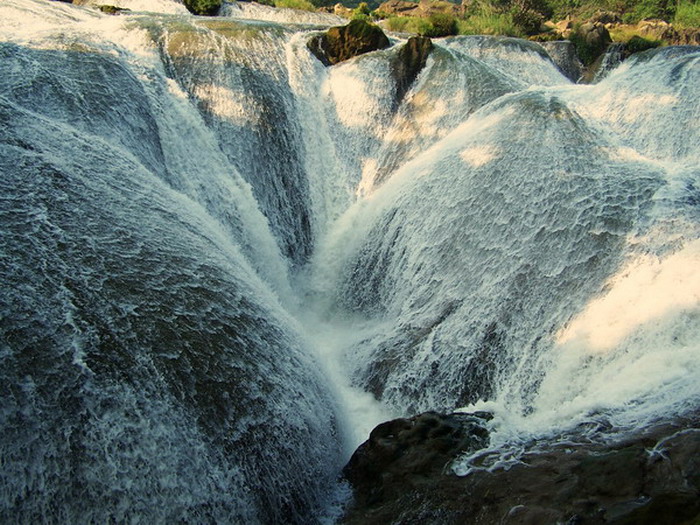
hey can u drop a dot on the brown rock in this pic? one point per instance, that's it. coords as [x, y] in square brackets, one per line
[651, 477]
[409, 62]
[344, 42]
[399, 8]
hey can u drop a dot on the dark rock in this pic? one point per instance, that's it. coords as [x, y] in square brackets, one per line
[401, 475]
[683, 37]
[563, 54]
[405, 453]
[409, 61]
[112, 10]
[595, 34]
[344, 42]
[203, 7]
[605, 17]
[591, 41]
[637, 44]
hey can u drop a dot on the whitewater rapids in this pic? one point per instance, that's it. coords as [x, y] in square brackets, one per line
[223, 263]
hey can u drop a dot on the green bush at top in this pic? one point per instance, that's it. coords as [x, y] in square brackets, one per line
[361, 12]
[687, 14]
[441, 24]
[203, 7]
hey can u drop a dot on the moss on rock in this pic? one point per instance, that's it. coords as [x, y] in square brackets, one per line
[203, 7]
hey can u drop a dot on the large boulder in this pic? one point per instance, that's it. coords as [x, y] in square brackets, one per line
[404, 474]
[563, 54]
[399, 8]
[422, 9]
[203, 7]
[344, 42]
[591, 40]
[404, 454]
[409, 61]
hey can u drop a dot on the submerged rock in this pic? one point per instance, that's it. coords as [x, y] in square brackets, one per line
[402, 474]
[563, 54]
[344, 42]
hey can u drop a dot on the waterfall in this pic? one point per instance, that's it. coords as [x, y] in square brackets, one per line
[223, 263]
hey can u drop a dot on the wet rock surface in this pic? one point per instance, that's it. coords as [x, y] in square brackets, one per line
[403, 474]
[410, 60]
[341, 43]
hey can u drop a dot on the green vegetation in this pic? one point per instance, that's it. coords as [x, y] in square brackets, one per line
[636, 44]
[436, 25]
[407, 24]
[203, 7]
[520, 17]
[441, 24]
[682, 12]
[362, 12]
[303, 5]
[493, 24]
[687, 14]
[517, 18]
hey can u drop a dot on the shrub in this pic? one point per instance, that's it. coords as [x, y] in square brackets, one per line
[203, 7]
[361, 12]
[441, 24]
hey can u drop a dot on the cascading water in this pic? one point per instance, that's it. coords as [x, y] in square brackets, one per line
[224, 263]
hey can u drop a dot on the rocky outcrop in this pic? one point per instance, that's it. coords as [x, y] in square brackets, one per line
[402, 475]
[407, 455]
[203, 7]
[344, 42]
[563, 54]
[113, 10]
[422, 9]
[409, 61]
[662, 30]
[399, 8]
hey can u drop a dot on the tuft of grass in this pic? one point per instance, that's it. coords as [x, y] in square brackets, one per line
[489, 24]
[302, 5]
[435, 26]
[408, 24]
[687, 14]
